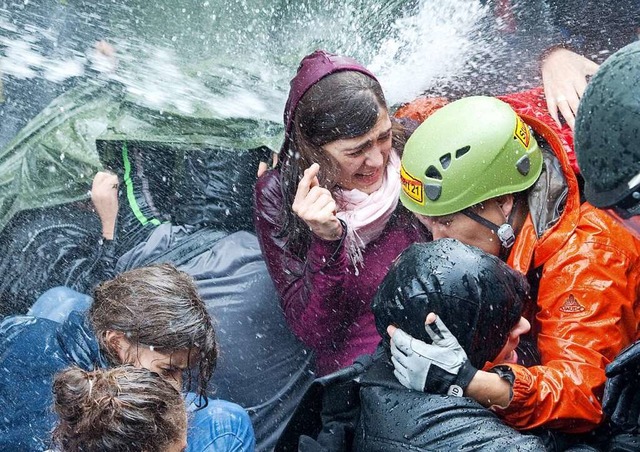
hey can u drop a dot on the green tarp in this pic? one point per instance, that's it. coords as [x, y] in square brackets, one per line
[53, 159]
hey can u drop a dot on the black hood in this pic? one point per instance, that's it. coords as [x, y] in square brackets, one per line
[476, 295]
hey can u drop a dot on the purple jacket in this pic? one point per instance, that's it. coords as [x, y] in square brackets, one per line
[326, 305]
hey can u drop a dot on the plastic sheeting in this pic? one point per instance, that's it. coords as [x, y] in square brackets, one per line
[262, 366]
[185, 170]
[53, 159]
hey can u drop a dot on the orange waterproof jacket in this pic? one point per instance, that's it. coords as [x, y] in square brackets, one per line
[588, 274]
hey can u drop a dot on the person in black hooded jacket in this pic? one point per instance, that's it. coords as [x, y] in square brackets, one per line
[365, 408]
[480, 298]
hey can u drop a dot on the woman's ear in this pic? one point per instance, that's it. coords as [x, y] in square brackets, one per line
[117, 344]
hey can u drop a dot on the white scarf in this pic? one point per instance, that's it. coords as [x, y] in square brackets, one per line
[366, 215]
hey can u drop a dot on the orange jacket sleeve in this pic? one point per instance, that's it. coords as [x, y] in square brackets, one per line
[587, 312]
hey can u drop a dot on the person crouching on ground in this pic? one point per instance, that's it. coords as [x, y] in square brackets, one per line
[480, 299]
[119, 409]
[151, 317]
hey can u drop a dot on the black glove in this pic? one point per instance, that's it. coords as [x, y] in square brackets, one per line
[621, 400]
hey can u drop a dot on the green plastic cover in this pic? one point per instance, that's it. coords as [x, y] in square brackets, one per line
[53, 159]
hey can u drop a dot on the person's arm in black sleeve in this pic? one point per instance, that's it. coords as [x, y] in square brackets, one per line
[100, 261]
[621, 401]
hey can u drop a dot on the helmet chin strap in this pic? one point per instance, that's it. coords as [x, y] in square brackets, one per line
[504, 232]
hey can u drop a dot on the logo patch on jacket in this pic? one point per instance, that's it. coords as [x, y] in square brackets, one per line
[571, 305]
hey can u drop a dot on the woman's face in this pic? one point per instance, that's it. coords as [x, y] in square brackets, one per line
[508, 353]
[361, 161]
[169, 366]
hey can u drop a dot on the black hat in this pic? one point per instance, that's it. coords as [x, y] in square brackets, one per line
[477, 296]
[607, 133]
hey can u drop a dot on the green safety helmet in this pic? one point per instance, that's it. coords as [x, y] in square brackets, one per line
[469, 151]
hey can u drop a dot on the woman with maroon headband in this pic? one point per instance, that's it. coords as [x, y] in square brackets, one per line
[328, 217]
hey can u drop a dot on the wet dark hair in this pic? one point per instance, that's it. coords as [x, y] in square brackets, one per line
[156, 306]
[477, 296]
[342, 105]
[117, 409]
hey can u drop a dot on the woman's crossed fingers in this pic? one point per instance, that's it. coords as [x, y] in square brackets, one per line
[315, 206]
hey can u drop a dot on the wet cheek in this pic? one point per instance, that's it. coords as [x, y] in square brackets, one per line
[387, 148]
[143, 363]
[349, 169]
[153, 368]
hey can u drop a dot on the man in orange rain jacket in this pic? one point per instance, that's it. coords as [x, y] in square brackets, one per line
[584, 265]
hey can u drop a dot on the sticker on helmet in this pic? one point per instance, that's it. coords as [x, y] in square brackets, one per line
[411, 186]
[522, 132]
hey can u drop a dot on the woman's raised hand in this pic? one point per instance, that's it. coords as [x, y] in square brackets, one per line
[564, 75]
[316, 207]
